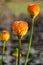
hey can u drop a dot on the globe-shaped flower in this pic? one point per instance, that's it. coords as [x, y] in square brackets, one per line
[33, 9]
[4, 35]
[20, 28]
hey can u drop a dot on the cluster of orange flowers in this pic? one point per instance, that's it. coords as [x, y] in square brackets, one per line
[20, 28]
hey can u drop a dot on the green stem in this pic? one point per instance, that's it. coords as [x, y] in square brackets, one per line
[3, 51]
[16, 60]
[19, 46]
[30, 41]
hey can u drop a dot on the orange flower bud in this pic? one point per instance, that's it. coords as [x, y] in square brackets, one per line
[33, 9]
[20, 27]
[4, 35]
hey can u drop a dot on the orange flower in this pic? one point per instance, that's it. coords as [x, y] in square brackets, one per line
[20, 27]
[33, 9]
[4, 35]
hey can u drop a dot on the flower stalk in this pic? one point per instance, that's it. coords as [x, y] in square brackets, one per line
[30, 41]
[16, 60]
[19, 46]
[20, 28]
[3, 51]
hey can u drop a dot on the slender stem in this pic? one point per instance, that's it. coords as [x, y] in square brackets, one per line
[19, 46]
[16, 57]
[3, 51]
[30, 41]
[16, 60]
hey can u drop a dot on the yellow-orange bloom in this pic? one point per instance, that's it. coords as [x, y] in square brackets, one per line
[33, 9]
[16, 53]
[4, 35]
[20, 27]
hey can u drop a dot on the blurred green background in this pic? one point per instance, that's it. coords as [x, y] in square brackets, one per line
[20, 6]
